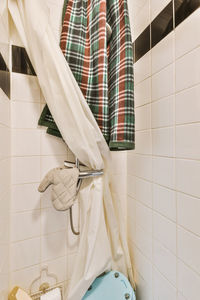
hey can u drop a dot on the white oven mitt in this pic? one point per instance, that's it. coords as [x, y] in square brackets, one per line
[64, 188]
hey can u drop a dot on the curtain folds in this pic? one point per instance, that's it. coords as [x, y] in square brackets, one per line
[103, 243]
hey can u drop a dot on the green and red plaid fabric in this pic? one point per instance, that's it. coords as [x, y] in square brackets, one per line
[104, 72]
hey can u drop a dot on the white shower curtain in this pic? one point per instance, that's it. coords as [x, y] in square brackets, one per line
[103, 242]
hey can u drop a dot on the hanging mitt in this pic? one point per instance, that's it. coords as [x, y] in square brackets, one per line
[64, 188]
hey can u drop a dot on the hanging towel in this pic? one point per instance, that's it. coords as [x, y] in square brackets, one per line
[104, 72]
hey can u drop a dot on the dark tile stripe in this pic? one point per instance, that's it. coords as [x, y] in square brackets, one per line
[142, 43]
[21, 62]
[5, 82]
[163, 24]
[3, 66]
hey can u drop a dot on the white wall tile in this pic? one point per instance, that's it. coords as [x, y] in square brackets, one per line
[163, 142]
[131, 186]
[25, 169]
[188, 282]
[164, 201]
[143, 241]
[24, 254]
[142, 68]
[50, 162]
[185, 41]
[163, 289]
[162, 112]
[142, 19]
[51, 145]
[25, 225]
[4, 176]
[143, 142]
[144, 288]
[5, 109]
[143, 191]
[25, 88]
[163, 83]
[188, 70]
[143, 92]
[188, 106]
[163, 171]
[187, 176]
[141, 166]
[25, 197]
[156, 7]
[52, 220]
[190, 255]
[5, 142]
[164, 230]
[25, 115]
[163, 52]
[188, 141]
[25, 142]
[143, 265]
[188, 212]
[164, 261]
[143, 117]
[144, 217]
[53, 245]
[57, 267]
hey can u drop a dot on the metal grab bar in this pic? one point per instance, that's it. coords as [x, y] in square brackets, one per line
[82, 175]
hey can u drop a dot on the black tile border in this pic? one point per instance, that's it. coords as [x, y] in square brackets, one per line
[21, 62]
[5, 82]
[167, 20]
[3, 66]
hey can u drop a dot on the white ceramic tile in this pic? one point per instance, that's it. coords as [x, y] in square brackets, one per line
[164, 230]
[142, 19]
[141, 166]
[143, 92]
[50, 162]
[185, 41]
[51, 145]
[143, 265]
[25, 115]
[163, 83]
[165, 261]
[143, 191]
[24, 254]
[25, 197]
[156, 7]
[144, 217]
[180, 297]
[143, 241]
[188, 282]
[142, 68]
[24, 277]
[144, 288]
[5, 142]
[163, 289]
[53, 245]
[131, 186]
[25, 169]
[188, 246]
[163, 171]
[188, 141]
[25, 225]
[164, 201]
[187, 176]
[52, 220]
[163, 52]
[188, 212]
[188, 106]
[163, 141]
[25, 88]
[5, 109]
[25, 142]
[162, 112]
[4, 176]
[143, 142]
[143, 117]
[131, 218]
[188, 70]
[57, 267]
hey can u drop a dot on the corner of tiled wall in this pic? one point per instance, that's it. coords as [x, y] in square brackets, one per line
[163, 171]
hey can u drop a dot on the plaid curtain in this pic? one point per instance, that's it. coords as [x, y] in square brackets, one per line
[104, 71]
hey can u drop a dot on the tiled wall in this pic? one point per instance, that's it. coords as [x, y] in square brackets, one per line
[4, 159]
[164, 170]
